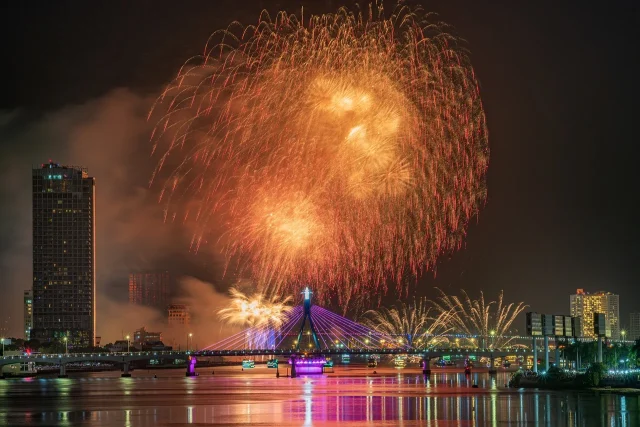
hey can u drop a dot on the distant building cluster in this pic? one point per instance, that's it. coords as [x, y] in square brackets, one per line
[150, 289]
[584, 305]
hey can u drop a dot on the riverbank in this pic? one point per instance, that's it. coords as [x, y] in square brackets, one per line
[622, 391]
[596, 378]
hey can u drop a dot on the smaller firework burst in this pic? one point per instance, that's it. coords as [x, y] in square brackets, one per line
[487, 324]
[255, 310]
[411, 325]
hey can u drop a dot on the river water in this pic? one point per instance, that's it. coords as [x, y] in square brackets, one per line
[352, 396]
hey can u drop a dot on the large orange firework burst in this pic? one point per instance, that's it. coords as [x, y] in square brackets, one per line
[343, 151]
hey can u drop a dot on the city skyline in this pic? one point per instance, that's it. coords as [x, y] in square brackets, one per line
[546, 229]
[319, 212]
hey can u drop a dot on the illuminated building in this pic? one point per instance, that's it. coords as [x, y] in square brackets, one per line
[178, 315]
[584, 305]
[64, 284]
[143, 336]
[28, 314]
[634, 326]
[150, 289]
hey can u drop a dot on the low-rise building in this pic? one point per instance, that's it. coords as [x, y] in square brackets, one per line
[142, 336]
[178, 315]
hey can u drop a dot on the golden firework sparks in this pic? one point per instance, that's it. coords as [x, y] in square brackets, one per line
[344, 151]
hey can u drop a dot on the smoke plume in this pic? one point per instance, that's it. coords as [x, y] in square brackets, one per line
[110, 137]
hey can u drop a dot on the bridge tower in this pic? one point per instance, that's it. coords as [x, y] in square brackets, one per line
[307, 316]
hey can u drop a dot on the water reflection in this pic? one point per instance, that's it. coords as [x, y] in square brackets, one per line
[443, 399]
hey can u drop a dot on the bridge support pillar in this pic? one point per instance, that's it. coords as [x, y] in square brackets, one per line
[63, 371]
[599, 349]
[546, 353]
[125, 370]
[293, 367]
[535, 355]
[492, 365]
[191, 367]
[426, 365]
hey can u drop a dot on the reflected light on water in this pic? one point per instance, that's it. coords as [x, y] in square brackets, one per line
[443, 399]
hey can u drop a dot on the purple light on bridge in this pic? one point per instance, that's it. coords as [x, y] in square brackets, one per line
[191, 366]
[311, 365]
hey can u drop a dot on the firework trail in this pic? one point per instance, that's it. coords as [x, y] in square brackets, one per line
[490, 321]
[413, 323]
[344, 151]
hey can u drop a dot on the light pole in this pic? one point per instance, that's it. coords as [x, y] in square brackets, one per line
[2, 339]
[188, 341]
[623, 333]
[493, 335]
[66, 345]
[128, 337]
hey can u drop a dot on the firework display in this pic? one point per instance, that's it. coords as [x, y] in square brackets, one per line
[489, 323]
[333, 332]
[255, 310]
[343, 151]
[410, 324]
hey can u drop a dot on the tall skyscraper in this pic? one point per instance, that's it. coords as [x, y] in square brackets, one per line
[634, 326]
[28, 313]
[584, 305]
[150, 289]
[64, 282]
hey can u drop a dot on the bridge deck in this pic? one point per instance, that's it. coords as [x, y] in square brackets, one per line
[133, 356]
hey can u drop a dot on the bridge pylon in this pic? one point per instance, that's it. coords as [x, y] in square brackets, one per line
[307, 316]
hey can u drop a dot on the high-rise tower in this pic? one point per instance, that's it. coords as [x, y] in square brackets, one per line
[634, 326]
[28, 313]
[583, 304]
[64, 282]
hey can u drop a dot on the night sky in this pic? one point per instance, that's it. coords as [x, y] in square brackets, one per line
[558, 82]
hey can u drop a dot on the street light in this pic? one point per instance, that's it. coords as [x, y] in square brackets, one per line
[2, 339]
[128, 343]
[623, 333]
[188, 343]
[66, 345]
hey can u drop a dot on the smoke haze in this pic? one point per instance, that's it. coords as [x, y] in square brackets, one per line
[110, 137]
